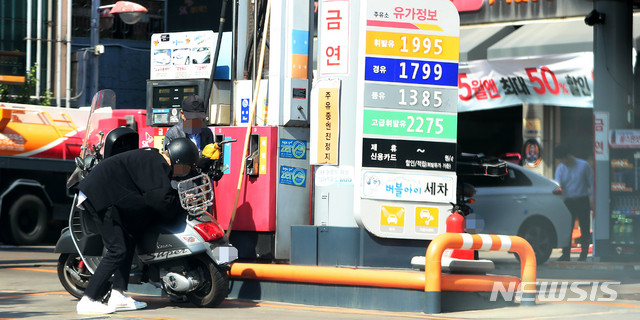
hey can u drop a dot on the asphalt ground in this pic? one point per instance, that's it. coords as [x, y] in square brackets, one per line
[29, 289]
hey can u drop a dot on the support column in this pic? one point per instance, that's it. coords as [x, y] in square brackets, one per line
[613, 81]
[95, 40]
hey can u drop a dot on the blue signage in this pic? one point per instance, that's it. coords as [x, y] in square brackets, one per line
[293, 176]
[227, 157]
[299, 41]
[244, 110]
[295, 149]
[411, 71]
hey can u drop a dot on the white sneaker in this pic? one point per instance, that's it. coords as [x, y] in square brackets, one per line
[123, 302]
[88, 306]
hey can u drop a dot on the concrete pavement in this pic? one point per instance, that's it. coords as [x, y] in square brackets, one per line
[29, 290]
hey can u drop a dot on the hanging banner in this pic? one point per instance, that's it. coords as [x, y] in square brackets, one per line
[559, 80]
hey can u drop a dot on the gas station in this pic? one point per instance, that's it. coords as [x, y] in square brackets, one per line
[333, 171]
[340, 188]
[345, 176]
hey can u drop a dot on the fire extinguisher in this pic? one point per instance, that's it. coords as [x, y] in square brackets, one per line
[456, 222]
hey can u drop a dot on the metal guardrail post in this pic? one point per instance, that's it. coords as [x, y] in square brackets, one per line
[484, 242]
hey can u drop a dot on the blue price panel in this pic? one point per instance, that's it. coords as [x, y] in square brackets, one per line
[411, 71]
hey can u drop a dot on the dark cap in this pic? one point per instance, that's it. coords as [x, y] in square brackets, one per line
[193, 108]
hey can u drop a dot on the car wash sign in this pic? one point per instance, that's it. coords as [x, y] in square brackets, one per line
[182, 55]
[407, 117]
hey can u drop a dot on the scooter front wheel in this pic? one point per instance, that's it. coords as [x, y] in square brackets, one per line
[215, 284]
[73, 277]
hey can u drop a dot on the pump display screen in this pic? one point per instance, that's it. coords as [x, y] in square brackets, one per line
[164, 99]
[166, 103]
[172, 97]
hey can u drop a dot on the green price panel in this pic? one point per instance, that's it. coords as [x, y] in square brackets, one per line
[410, 124]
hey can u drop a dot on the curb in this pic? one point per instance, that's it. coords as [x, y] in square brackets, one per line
[606, 266]
[29, 265]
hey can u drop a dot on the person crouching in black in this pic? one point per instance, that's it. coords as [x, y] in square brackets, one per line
[124, 193]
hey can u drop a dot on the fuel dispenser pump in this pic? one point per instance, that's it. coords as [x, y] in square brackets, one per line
[274, 192]
[181, 65]
[274, 187]
[253, 160]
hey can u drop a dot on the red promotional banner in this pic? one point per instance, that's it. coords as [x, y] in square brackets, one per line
[558, 80]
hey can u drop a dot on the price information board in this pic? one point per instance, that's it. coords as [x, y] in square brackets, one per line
[407, 117]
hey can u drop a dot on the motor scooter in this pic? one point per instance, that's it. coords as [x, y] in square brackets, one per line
[187, 258]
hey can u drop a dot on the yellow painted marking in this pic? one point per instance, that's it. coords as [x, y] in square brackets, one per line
[35, 269]
[602, 303]
[339, 310]
[34, 294]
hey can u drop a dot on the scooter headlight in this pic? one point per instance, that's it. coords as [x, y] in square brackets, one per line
[209, 231]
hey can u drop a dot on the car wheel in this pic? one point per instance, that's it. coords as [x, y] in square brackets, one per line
[28, 220]
[541, 236]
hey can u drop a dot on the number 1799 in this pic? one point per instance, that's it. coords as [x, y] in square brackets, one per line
[426, 70]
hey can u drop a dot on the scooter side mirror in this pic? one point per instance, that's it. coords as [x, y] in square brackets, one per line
[80, 163]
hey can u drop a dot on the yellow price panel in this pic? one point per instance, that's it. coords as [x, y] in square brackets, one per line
[413, 45]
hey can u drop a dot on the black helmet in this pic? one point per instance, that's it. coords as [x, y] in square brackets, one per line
[183, 151]
[119, 140]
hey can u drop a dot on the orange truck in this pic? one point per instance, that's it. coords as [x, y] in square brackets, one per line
[38, 146]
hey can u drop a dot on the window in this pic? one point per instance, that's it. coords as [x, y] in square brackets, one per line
[113, 27]
[514, 178]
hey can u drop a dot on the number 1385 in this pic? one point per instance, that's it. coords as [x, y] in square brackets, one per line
[426, 99]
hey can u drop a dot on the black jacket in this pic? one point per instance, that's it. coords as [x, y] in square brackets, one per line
[177, 131]
[137, 182]
[206, 137]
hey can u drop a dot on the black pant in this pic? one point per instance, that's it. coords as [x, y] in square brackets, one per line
[120, 245]
[580, 208]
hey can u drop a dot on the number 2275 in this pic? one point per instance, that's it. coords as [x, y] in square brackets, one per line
[416, 124]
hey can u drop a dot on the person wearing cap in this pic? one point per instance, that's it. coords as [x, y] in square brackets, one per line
[192, 124]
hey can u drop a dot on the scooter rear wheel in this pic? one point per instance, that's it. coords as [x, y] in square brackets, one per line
[73, 278]
[215, 284]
